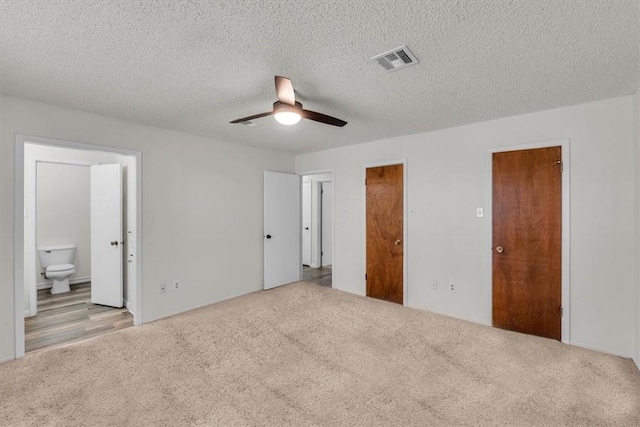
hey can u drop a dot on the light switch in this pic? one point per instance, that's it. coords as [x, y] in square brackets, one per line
[479, 212]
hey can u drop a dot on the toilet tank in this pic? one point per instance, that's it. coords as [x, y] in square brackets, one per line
[54, 255]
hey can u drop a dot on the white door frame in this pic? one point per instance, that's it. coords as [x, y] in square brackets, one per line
[333, 213]
[18, 244]
[566, 228]
[321, 219]
[405, 224]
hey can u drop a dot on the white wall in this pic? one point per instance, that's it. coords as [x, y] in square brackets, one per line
[449, 177]
[637, 217]
[316, 179]
[202, 206]
[63, 216]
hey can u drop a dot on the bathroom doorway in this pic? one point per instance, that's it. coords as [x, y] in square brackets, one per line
[317, 228]
[64, 273]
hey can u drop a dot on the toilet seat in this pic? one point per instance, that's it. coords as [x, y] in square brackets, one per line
[60, 268]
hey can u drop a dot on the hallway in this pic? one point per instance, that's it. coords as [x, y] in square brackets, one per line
[319, 276]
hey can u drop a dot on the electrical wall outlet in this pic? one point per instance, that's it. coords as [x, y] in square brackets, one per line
[176, 285]
[163, 288]
[452, 287]
[434, 285]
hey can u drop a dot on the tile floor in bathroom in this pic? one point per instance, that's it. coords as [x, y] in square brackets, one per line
[70, 317]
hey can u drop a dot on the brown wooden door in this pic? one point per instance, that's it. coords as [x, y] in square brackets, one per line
[527, 241]
[384, 233]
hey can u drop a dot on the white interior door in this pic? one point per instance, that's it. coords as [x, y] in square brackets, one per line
[327, 223]
[306, 222]
[282, 258]
[106, 235]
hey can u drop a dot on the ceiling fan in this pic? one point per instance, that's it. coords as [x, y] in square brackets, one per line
[288, 111]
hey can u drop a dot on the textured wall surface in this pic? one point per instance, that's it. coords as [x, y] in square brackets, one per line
[195, 65]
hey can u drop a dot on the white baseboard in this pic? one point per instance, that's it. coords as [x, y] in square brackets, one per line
[176, 312]
[601, 350]
[128, 305]
[637, 361]
[49, 285]
[27, 313]
[7, 359]
[313, 265]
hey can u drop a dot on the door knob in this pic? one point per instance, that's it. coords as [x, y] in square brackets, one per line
[306, 228]
[114, 243]
[268, 236]
[499, 249]
[397, 242]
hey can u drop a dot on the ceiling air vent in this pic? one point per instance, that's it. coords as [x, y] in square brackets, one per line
[395, 59]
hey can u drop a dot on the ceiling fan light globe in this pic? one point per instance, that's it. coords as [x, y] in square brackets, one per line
[287, 117]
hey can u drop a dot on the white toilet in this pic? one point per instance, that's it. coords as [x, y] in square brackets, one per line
[57, 262]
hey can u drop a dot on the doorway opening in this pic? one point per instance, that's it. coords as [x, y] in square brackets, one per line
[66, 302]
[317, 228]
[78, 240]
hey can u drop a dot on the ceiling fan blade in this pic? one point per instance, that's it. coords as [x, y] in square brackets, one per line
[322, 118]
[284, 90]
[255, 116]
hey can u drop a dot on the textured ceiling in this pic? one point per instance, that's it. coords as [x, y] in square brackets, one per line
[194, 65]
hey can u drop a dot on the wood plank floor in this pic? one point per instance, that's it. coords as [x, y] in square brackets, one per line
[319, 276]
[70, 317]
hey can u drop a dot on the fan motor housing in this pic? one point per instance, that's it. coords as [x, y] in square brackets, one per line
[281, 106]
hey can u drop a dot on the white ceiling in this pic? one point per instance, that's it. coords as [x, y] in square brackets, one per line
[195, 65]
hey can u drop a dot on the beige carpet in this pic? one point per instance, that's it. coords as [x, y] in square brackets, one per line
[306, 355]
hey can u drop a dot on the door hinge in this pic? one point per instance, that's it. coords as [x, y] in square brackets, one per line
[561, 311]
[321, 191]
[321, 253]
[365, 276]
[561, 163]
[365, 181]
